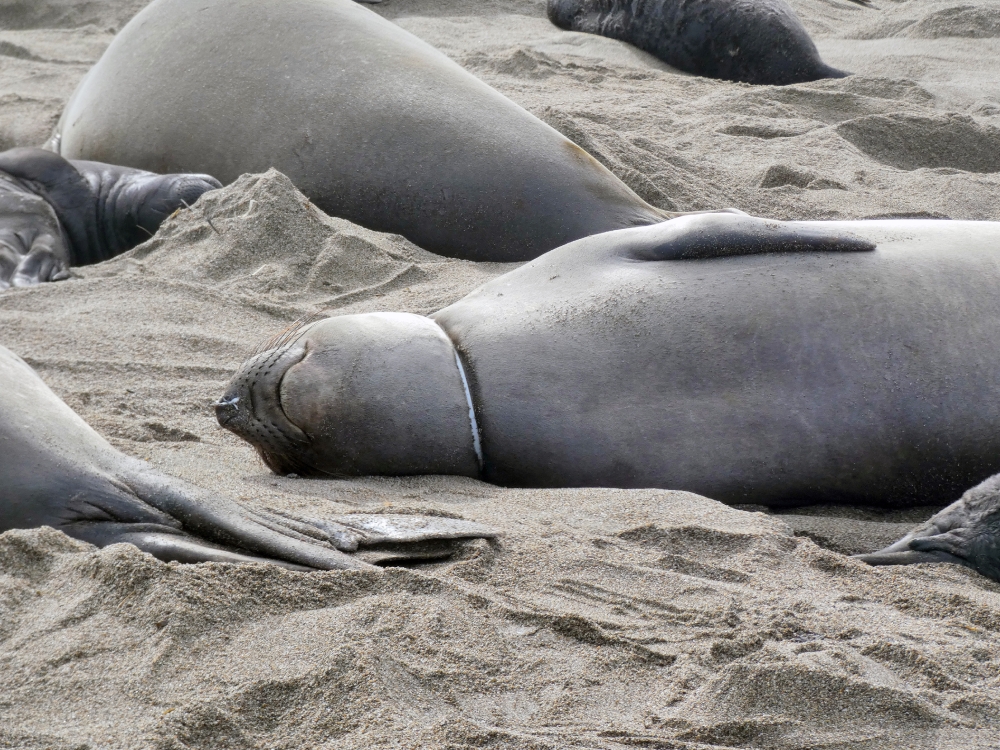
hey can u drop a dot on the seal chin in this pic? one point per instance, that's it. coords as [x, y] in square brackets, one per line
[251, 408]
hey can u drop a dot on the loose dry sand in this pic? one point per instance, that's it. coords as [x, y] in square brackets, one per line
[603, 618]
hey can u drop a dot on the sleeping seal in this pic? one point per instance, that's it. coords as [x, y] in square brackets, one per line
[56, 213]
[56, 471]
[754, 41]
[748, 360]
[371, 123]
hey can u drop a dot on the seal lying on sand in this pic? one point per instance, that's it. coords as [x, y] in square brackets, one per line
[747, 360]
[754, 41]
[56, 471]
[56, 213]
[371, 123]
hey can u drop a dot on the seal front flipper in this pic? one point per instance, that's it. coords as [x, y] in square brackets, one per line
[392, 537]
[224, 522]
[41, 258]
[967, 533]
[55, 470]
[723, 235]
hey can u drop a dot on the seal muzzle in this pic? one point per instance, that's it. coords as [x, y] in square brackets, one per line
[251, 408]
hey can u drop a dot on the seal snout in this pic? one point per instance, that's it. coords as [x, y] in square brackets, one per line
[227, 409]
[251, 408]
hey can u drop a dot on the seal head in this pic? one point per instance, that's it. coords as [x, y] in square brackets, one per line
[378, 393]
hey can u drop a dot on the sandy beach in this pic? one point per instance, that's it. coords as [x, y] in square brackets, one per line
[602, 618]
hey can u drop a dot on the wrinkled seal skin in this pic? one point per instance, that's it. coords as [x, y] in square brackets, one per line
[371, 123]
[746, 360]
[56, 471]
[753, 41]
[56, 213]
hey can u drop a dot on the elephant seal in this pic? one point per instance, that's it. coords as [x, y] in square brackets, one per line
[371, 123]
[55, 213]
[752, 361]
[753, 41]
[57, 471]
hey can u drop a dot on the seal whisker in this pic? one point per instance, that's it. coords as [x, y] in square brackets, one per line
[288, 335]
[208, 218]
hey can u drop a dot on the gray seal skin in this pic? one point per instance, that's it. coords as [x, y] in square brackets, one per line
[750, 361]
[56, 471]
[753, 41]
[56, 213]
[371, 123]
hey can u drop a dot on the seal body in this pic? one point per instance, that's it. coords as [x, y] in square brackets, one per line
[754, 41]
[55, 213]
[746, 360]
[861, 378]
[371, 123]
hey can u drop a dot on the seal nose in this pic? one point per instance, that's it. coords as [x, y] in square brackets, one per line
[227, 409]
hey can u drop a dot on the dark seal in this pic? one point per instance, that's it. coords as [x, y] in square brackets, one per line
[751, 361]
[56, 471]
[56, 213]
[753, 41]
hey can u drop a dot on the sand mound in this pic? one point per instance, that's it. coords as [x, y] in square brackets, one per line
[949, 141]
[262, 237]
[971, 21]
[262, 243]
[59, 14]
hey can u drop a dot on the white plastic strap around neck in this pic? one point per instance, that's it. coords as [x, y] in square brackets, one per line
[477, 446]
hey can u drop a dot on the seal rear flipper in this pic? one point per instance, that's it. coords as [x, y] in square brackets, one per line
[967, 533]
[130, 204]
[34, 247]
[58, 182]
[908, 557]
[165, 543]
[104, 209]
[725, 235]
